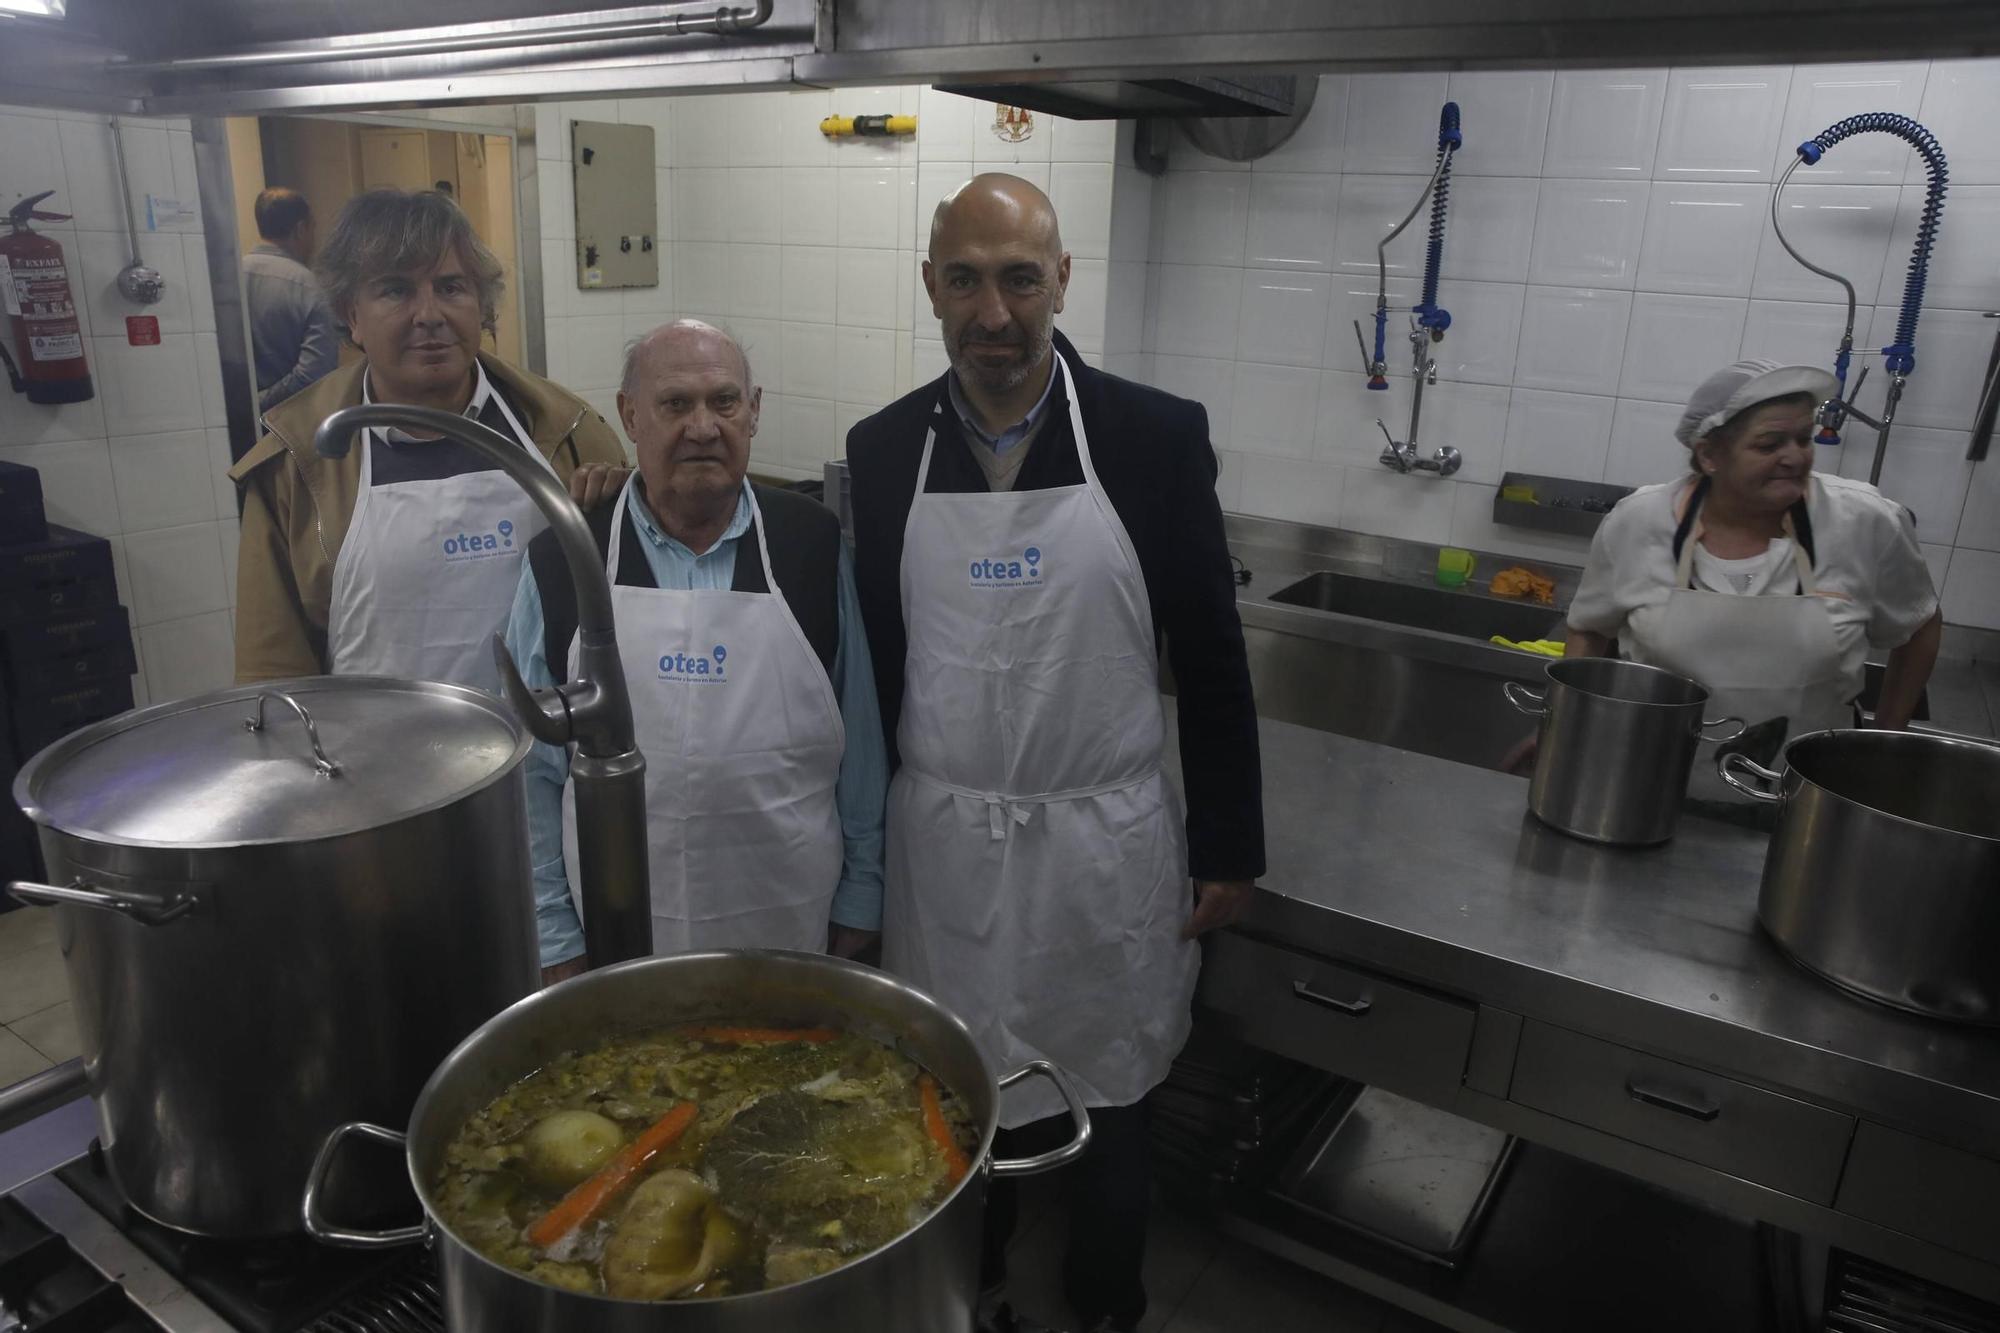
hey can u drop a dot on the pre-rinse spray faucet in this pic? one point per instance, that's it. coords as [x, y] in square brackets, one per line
[594, 710]
[1428, 319]
[1899, 358]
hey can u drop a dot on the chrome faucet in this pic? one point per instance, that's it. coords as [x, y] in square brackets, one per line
[593, 711]
[1428, 319]
[1405, 458]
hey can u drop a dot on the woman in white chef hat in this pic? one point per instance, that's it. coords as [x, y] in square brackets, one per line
[1764, 580]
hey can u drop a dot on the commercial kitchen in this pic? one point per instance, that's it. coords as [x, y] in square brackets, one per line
[1573, 993]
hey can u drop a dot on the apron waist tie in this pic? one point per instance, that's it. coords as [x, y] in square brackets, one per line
[1004, 811]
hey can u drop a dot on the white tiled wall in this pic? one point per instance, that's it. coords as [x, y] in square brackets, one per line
[808, 249]
[1610, 244]
[143, 463]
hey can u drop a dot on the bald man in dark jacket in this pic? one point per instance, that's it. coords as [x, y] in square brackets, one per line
[1027, 531]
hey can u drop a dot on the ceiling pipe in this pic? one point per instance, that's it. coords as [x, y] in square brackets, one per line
[700, 16]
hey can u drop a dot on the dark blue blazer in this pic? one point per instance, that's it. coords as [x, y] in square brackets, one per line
[1152, 455]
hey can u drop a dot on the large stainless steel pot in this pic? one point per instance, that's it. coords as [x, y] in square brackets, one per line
[925, 1282]
[279, 907]
[1616, 744]
[1884, 873]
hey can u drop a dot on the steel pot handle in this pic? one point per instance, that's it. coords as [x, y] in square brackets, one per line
[1079, 1117]
[1727, 765]
[331, 1233]
[148, 909]
[327, 768]
[1516, 692]
[1741, 727]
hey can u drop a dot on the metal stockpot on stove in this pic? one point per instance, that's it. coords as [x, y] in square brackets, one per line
[1616, 744]
[1884, 873]
[280, 906]
[925, 1281]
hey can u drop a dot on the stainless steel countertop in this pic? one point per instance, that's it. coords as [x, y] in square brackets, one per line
[1964, 687]
[1434, 871]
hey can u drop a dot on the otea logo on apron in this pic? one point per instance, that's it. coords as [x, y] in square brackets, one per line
[694, 669]
[1008, 571]
[480, 545]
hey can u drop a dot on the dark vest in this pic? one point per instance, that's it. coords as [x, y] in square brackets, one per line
[804, 537]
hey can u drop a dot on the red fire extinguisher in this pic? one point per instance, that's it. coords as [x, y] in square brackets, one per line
[34, 285]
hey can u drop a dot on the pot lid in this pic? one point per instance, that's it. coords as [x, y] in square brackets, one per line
[196, 774]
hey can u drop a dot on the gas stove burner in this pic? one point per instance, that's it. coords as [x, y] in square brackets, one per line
[287, 1285]
[405, 1302]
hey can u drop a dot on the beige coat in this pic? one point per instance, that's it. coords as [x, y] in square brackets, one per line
[296, 507]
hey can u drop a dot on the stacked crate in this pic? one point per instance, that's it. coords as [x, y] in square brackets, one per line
[66, 656]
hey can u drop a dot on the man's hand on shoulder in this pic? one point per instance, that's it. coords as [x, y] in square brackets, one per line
[594, 484]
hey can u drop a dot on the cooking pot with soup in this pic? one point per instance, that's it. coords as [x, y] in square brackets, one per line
[707, 1143]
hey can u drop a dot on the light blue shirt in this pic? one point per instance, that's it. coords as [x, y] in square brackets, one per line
[1015, 433]
[859, 793]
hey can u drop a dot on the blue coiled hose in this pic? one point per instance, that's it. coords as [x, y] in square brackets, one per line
[1429, 314]
[1899, 357]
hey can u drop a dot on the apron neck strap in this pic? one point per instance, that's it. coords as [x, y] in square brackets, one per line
[627, 519]
[1797, 525]
[1068, 388]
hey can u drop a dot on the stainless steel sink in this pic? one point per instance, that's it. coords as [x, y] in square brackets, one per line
[1345, 635]
[1466, 614]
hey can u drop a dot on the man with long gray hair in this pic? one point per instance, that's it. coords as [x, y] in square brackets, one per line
[401, 559]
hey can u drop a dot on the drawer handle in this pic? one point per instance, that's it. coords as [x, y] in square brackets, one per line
[1702, 1111]
[1352, 1008]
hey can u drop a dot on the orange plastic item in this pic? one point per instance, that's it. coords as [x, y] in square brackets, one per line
[1518, 582]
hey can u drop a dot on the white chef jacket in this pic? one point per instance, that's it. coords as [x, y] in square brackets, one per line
[1864, 547]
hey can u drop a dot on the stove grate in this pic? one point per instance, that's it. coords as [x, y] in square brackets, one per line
[406, 1300]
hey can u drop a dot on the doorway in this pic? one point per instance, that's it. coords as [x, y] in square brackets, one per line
[330, 160]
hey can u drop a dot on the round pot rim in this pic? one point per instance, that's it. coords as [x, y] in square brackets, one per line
[1792, 771]
[1702, 692]
[435, 1226]
[77, 741]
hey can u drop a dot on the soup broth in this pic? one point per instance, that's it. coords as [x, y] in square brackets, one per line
[704, 1161]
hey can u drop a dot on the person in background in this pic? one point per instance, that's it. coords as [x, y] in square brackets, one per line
[752, 687]
[1761, 578]
[402, 558]
[1026, 530]
[294, 338]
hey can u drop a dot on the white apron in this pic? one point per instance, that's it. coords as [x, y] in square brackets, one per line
[1761, 657]
[428, 571]
[743, 739]
[1036, 864]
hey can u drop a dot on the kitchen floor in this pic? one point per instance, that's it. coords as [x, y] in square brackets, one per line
[37, 1028]
[1199, 1280]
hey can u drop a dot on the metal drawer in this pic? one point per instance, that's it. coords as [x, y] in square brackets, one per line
[1760, 1136]
[1354, 1023]
[1923, 1189]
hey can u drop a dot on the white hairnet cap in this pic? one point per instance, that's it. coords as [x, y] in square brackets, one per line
[1742, 386]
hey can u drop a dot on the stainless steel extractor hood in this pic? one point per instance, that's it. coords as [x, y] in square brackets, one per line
[1129, 99]
[1206, 58]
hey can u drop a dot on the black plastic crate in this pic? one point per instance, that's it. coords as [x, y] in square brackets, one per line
[56, 597]
[22, 517]
[28, 642]
[62, 555]
[41, 719]
[53, 674]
